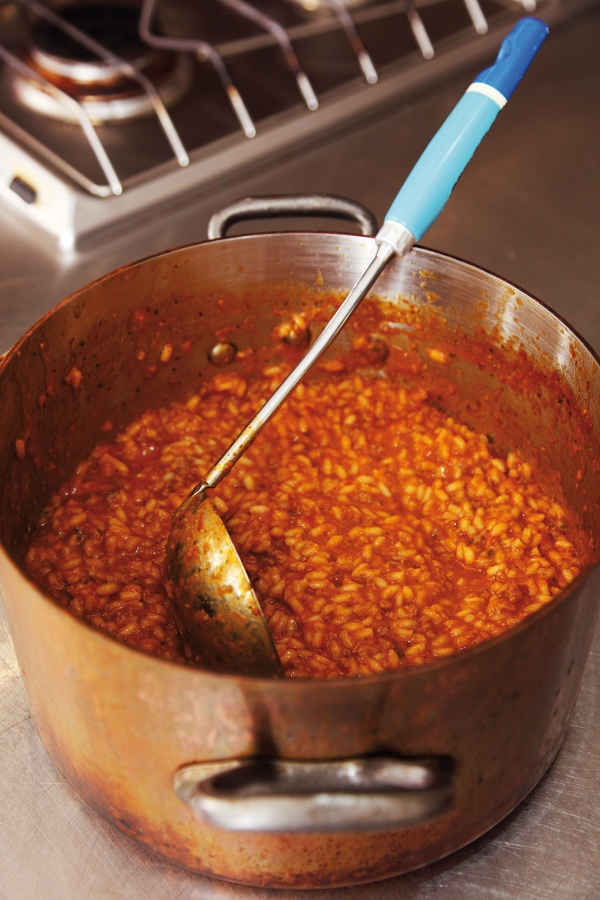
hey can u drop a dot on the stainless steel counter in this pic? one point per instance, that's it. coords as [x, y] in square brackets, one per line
[527, 208]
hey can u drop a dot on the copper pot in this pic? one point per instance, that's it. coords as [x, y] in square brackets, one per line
[302, 783]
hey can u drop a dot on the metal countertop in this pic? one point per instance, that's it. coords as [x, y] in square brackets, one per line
[527, 208]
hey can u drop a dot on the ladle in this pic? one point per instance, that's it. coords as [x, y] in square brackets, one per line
[217, 606]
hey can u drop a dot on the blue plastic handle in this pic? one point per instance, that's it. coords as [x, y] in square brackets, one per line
[515, 56]
[429, 185]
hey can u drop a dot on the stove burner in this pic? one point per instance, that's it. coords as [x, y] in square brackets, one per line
[93, 54]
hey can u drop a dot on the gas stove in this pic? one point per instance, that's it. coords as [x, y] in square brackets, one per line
[111, 109]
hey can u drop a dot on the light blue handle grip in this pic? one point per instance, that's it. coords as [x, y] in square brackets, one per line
[429, 185]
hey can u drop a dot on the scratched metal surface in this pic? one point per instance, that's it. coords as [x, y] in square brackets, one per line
[528, 208]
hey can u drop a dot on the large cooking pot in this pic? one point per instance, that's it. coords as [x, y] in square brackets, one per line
[296, 783]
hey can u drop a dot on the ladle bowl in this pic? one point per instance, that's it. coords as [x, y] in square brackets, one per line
[215, 599]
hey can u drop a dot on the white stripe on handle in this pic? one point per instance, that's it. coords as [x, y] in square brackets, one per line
[487, 90]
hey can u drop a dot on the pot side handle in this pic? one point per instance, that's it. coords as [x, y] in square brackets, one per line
[283, 796]
[292, 205]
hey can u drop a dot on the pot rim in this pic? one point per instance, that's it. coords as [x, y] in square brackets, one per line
[193, 245]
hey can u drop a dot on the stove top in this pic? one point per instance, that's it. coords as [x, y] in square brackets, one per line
[110, 110]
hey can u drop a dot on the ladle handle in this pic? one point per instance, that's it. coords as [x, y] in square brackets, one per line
[417, 205]
[383, 255]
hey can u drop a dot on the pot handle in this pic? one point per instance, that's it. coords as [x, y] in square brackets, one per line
[277, 795]
[286, 205]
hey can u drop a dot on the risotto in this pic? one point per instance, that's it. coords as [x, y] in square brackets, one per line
[378, 532]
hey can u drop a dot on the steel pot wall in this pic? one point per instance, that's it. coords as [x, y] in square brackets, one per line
[126, 729]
